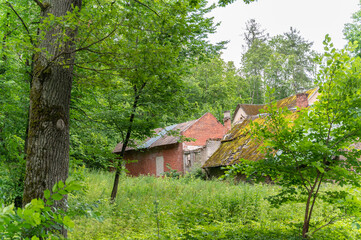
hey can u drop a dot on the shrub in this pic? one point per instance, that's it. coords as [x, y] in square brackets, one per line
[196, 172]
[39, 218]
[172, 173]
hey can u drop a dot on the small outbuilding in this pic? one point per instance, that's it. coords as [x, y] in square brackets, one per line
[166, 150]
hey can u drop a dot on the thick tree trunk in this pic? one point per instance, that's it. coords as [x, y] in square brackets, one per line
[48, 136]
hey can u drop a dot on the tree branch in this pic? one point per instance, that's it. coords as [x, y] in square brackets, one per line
[84, 113]
[344, 137]
[315, 196]
[87, 47]
[22, 22]
[330, 222]
[8, 34]
[76, 50]
[304, 180]
[100, 70]
[147, 7]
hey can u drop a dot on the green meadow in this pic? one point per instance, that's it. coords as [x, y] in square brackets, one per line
[191, 208]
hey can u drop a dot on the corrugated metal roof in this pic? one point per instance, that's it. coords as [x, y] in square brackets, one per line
[171, 139]
[162, 133]
[161, 138]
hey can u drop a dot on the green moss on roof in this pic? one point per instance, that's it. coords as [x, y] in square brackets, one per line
[239, 144]
[290, 102]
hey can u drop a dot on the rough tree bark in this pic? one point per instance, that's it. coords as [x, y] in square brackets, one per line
[48, 136]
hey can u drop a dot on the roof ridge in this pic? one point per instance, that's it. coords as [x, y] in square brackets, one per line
[164, 133]
[196, 120]
[252, 104]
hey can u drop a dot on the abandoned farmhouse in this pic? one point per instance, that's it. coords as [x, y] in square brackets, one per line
[213, 145]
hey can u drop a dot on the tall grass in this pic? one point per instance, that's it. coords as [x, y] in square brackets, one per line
[187, 208]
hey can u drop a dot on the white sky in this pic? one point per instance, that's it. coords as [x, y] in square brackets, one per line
[313, 18]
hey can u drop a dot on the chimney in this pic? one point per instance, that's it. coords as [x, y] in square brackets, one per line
[227, 120]
[302, 100]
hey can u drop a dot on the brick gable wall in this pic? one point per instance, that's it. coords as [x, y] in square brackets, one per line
[207, 127]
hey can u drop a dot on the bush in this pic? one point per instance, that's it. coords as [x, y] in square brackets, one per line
[11, 184]
[196, 172]
[172, 173]
[38, 219]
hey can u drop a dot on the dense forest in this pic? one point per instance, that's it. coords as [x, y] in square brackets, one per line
[78, 77]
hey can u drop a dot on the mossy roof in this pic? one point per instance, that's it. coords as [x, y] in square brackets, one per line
[290, 101]
[238, 143]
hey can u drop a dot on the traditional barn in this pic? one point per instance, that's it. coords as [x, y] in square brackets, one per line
[166, 151]
[237, 143]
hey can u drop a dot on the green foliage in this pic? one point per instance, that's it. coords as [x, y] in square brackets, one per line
[284, 62]
[91, 147]
[11, 186]
[120, 47]
[209, 82]
[172, 173]
[312, 146]
[14, 90]
[39, 219]
[291, 65]
[136, 83]
[352, 31]
[196, 172]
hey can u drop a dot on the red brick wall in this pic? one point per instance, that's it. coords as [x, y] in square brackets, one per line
[146, 161]
[205, 128]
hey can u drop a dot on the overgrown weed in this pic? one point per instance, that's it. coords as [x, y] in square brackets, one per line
[189, 208]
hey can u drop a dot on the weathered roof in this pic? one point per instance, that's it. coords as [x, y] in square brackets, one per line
[161, 138]
[290, 102]
[236, 144]
[250, 109]
[160, 134]
[239, 144]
